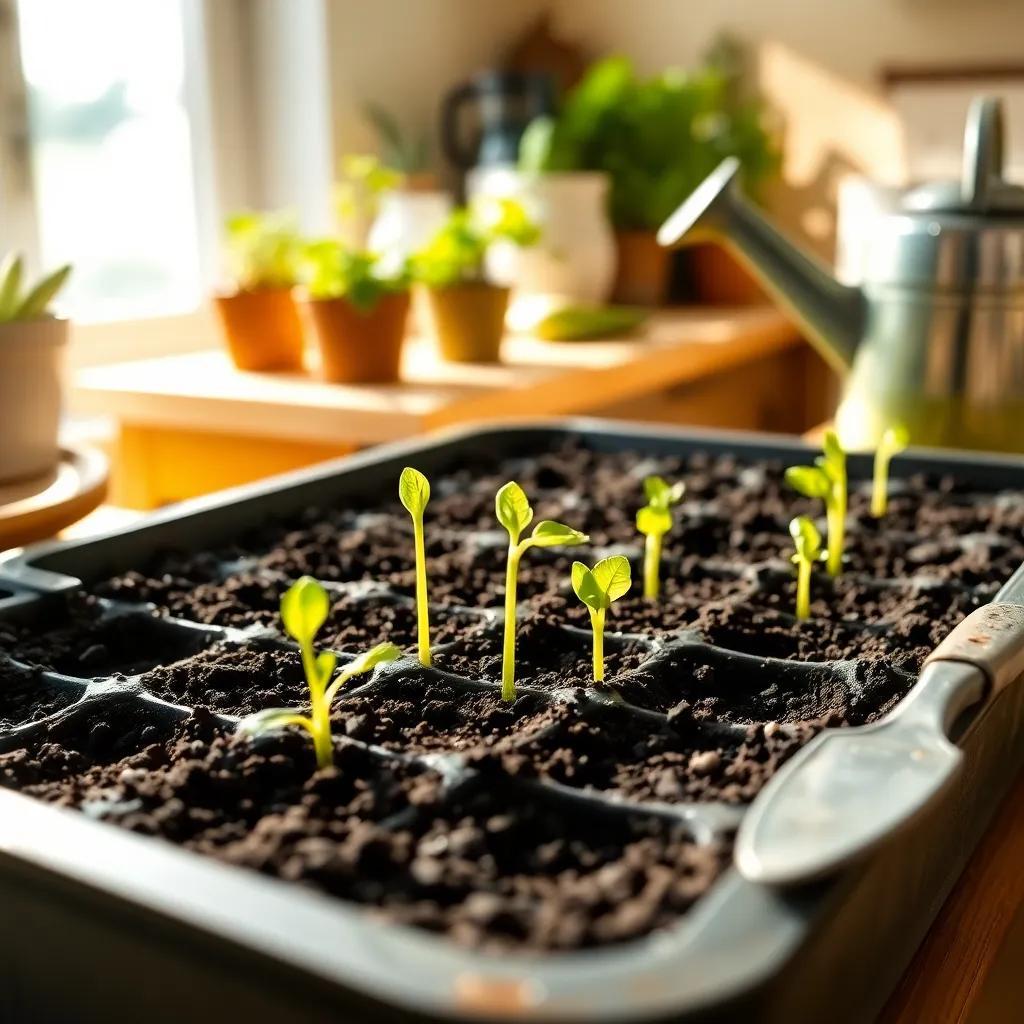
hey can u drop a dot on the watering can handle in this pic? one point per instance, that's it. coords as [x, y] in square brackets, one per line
[983, 151]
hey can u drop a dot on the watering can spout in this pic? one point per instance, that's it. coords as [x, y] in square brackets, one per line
[831, 314]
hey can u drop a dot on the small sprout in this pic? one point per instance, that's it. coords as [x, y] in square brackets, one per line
[304, 609]
[514, 513]
[826, 480]
[893, 441]
[654, 520]
[597, 588]
[414, 493]
[808, 551]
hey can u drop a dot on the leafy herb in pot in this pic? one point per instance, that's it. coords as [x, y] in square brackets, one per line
[826, 480]
[515, 514]
[260, 322]
[304, 609]
[467, 310]
[597, 588]
[808, 551]
[657, 138]
[414, 493]
[654, 520]
[359, 313]
[894, 441]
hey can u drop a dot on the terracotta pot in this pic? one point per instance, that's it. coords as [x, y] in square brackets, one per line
[719, 279]
[358, 347]
[468, 321]
[262, 329]
[641, 276]
[31, 359]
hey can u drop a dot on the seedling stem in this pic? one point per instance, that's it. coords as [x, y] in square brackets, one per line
[808, 551]
[893, 441]
[414, 493]
[654, 520]
[515, 514]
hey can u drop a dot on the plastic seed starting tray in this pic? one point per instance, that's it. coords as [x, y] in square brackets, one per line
[144, 930]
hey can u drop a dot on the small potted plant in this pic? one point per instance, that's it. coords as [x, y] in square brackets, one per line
[657, 139]
[467, 310]
[31, 346]
[359, 313]
[259, 317]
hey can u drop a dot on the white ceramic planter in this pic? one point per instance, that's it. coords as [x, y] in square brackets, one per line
[574, 262]
[31, 362]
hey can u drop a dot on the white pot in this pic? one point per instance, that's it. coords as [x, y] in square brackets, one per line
[574, 262]
[406, 222]
[31, 362]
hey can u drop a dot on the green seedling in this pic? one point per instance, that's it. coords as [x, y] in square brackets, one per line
[808, 551]
[597, 588]
[826, 480]
[19, 304]
[893, 441]
[514, 513]
[414, 493]
[304, 609]
[654, 520]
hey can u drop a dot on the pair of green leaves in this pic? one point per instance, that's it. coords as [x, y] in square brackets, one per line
[655, 518]
[806, 539]
[14, 305]
[820, 480]
[514, 513]
[609, 580]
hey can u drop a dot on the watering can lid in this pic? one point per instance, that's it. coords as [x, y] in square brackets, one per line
[982, 189]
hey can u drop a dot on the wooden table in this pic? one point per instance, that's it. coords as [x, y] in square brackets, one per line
[34, 509]
[191, 423]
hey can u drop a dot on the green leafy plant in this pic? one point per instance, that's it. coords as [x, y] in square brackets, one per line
[654, 520]
[20, 304]
[808, 551]
[334, 271]
[264, 250]
[402, 151]
[894, 441]
[826, 480]
[362, 182]
[456, 253]
[656, 138]
[414, 493]
[597, 588]
[304, 609]
[515, 514]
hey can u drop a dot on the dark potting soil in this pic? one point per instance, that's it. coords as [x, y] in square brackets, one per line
[560, 821]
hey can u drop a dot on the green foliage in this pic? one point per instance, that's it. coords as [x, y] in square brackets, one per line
[336, 271]
[304, 609]
[17, 304]
[826, 480]
[362, 183]
[402, 152]
[584, 323]
[264, 250]
[893, 441]
[597, 588]
[515, 514]
[654, 520]
[456, 253]
[609, 580]
[657, 138]
[414, 493]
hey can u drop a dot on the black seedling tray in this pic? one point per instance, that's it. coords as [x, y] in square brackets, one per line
[101, 924]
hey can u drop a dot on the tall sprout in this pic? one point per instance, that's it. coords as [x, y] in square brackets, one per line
[893, 441]
[597, 588]
[414, 493]
[826, 480]
[654, 520]
[515, 514]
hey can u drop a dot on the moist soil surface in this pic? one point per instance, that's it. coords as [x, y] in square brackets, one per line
[562, 820]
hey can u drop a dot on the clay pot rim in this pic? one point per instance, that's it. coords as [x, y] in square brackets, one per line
[13, 332]
[234, 293]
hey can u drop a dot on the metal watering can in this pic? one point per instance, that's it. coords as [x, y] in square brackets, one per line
[934, 336]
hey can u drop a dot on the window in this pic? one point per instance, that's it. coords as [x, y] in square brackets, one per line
[111, 145]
